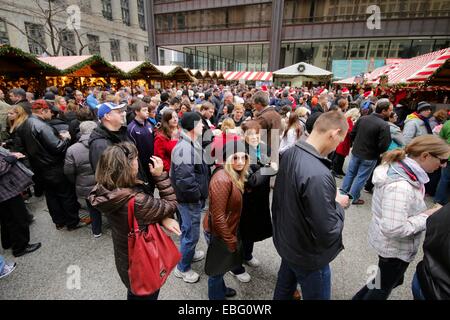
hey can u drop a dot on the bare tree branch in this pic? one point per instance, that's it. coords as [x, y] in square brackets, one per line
[43, 47]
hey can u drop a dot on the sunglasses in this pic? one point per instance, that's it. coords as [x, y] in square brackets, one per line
[236, 157]
[443, 161]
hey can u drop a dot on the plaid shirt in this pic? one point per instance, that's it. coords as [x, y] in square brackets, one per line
[13, 178]
[397, 221]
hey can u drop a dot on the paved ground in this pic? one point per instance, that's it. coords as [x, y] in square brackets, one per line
[45, 273]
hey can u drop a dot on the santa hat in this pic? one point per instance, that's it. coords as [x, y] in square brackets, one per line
[264, 88]
[323, 91]
[368, 94]
[345, 91]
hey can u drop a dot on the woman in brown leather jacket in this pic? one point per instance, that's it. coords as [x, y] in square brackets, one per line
[117, 182]
[225, 205]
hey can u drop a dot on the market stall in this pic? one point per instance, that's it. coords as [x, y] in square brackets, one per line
[301, 73]
[257, 78]
[194, 73]
[139, 73]
[174, 74]
[83, 71]
[21, 69]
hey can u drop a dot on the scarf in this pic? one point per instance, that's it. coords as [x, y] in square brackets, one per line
[420, 174]
[426, 121]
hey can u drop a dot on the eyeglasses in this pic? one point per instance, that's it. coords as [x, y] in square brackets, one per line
[443, 161]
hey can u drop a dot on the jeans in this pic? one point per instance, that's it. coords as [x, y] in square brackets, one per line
[190, 232]
[391, 275]
[416, 290]
[96, 217]
[369, 185]
[442, 192]
[153, 296]
[15, 231]
[315, 285]
[248, 255]
[358, 172]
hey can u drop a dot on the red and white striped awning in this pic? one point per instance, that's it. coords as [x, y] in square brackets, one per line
[414, 70]
[247, 76]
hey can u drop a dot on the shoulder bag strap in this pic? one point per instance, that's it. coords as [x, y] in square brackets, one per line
[132, 223]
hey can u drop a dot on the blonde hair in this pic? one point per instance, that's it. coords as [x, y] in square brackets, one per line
[238, 178]
[114, 168]
[302, 111]
[353, 114]
[22, 116]
[238, 107]
[228, 124]
[429, 143]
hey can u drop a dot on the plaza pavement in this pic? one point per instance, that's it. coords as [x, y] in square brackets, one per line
[46, 273]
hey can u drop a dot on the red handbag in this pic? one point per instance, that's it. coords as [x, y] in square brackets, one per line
[152, 255]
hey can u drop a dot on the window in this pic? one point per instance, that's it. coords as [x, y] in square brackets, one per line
[358, 50]
[132, 47]
[254, 57]
[400, 49]
[3, 32]
[107, 9]
[125, 5]
[147, 53]
[141, 14]
[420, 47]
[162, 56]
[115, 49]
[93, 44]
[36, 37]
[181, 21]
[378, 49]
[68, 43]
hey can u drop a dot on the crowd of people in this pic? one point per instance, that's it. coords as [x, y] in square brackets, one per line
[224, 150]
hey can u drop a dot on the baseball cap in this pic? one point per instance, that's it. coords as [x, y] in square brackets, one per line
[107, 107]
[40, 104]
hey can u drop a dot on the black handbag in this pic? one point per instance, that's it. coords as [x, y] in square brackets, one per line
[219, 259]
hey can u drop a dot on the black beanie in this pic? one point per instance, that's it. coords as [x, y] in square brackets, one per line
[188, 120]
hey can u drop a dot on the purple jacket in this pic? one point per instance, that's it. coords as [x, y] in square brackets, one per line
[142, 135]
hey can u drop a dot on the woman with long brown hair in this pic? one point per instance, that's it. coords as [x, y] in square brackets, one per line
[399, 210]
[117, 183]
[167, 137]
[225, 204]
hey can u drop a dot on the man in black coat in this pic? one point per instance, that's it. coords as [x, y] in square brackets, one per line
[46, 151]
[308, 213]
[371, 137]
[18, 97]
[190, 177]
[432, 278]
[14, 178]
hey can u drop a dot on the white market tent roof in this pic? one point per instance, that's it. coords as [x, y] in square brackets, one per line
[302, 69]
